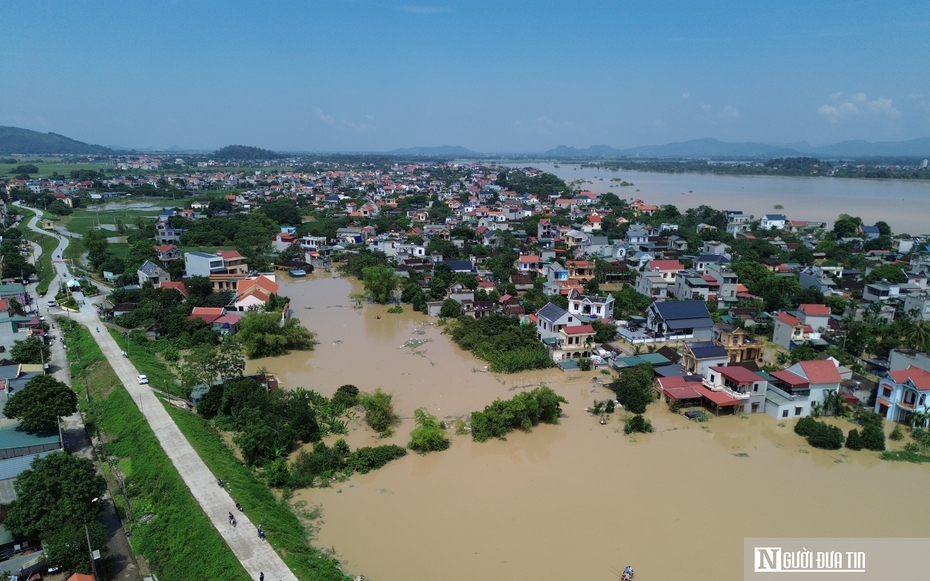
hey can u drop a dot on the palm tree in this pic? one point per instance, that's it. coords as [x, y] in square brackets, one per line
[919, 419]
[918, 336]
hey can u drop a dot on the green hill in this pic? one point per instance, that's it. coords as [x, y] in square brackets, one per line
[246, 153]
[26, 141]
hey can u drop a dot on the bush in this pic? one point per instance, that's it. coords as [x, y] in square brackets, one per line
[366, 459]
[379, 410]
[584, 364]
[826, 437]
[428, 436]
[806, 426]
[346, 396]
[523, 411]
[854, 440]
[896, 434]
[637, 424]
[820, 434]
[873, 438]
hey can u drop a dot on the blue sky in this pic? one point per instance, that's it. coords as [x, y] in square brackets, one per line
[499, 76]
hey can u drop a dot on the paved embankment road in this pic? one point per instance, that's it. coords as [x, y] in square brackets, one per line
[256, 556]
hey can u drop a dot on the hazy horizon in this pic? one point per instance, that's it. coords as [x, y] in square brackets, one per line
[511, 77]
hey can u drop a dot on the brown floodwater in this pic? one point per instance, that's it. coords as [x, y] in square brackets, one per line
[573, 501]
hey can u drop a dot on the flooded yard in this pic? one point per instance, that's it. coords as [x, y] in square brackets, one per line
[574, 501]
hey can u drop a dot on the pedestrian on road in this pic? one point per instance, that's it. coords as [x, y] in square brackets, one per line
[261, 576]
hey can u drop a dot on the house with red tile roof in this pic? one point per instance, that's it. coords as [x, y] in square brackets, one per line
[254, 292]
[572, 343]
[794, 391]
[903, 392]
[746, 386]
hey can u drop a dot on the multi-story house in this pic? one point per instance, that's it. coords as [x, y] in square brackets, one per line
[739, 344]
[590, 306]
[574, 342]
[793, 391]
[652, 285]
[233, 262]
[550, 320]
[698, 356]
[903, 392]
[737, 221]
[689, 284]
[745, 386]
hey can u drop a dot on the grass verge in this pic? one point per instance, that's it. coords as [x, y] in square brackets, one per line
[284, 530]
[144, 357]
[168, 526]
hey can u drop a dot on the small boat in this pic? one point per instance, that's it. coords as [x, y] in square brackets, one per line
[297, 273]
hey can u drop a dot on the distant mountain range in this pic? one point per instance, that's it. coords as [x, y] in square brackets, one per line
[721, 149]
[25, 141]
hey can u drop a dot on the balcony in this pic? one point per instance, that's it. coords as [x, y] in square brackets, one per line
[905, 405]
[726, 390]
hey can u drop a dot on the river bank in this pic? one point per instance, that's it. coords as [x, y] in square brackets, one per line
[903, 204]
[576, 500]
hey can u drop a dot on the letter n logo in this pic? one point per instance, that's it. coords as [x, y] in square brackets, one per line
[766, 559]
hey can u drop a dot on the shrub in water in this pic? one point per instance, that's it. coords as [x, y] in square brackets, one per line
[854, 440]
[636, 424]
[873, 438]
[896, 434]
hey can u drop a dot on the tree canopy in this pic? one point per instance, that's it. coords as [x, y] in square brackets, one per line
[261, 335]
[39, 405]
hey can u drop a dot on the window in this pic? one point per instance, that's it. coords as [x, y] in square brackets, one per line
[755, 387]
[797, 410]
[784, 413]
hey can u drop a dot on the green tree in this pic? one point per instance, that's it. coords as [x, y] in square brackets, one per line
[95, 241]
[379, 410]
[380, 282]
[633, 387]
[889, 272]
[41, 403]
[261, 335]
[283, 211]
[56, 493]
[451, 308]
[31, 350]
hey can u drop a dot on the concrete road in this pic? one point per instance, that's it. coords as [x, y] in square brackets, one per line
[256, 556]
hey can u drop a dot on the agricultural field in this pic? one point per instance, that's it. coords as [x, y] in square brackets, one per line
[48, 166]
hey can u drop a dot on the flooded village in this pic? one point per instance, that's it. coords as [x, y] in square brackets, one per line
[450, 286]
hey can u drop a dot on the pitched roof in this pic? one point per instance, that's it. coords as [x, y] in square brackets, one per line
[919, 377]
[821, 371]
[665, 265]
[578, 330]
[787, 319]
[178, 286]
[551, 312]
[228, 254]
[815, 310]
[693, 309]
[737, 374]
[706, 349]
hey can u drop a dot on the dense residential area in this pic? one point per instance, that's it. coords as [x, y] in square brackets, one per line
[708, 312]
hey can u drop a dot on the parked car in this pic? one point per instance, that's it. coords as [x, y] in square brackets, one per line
[142, 379]
[51, 304]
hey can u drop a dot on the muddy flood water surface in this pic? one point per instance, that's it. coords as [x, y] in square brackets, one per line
[576, 500]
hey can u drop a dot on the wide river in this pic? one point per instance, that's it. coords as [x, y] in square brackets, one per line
[576, 500]
[903, 204]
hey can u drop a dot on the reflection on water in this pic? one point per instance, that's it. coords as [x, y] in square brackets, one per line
[572, 501]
